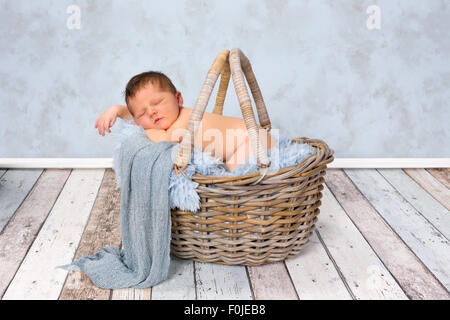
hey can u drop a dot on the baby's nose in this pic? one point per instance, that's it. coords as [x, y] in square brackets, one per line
[151, 112]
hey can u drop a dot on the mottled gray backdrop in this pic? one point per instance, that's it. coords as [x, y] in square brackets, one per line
[322, 71]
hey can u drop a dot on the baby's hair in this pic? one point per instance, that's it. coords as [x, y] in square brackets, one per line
[140, 80]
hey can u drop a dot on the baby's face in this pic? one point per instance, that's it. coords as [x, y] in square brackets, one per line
[150, 104]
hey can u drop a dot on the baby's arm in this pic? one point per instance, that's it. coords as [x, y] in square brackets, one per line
[157, 135]
[108, 117]
[122, 112]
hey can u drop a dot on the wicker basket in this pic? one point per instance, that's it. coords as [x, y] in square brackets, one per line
[258, 218]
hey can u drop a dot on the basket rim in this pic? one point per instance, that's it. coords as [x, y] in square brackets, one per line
[317, 144]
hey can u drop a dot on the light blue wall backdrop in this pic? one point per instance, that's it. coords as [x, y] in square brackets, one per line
[323, 73]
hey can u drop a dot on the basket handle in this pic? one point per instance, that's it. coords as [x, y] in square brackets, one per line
[239, 62]
[221, 65]
[225, 74]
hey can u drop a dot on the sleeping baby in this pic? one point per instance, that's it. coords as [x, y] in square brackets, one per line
[153, 102]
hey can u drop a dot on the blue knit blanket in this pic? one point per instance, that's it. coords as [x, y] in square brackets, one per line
[145, 220]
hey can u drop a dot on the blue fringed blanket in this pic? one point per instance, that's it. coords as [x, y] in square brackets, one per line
[145, 220]
[182, 192]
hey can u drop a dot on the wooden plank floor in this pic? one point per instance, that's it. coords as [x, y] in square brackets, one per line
[381, 234]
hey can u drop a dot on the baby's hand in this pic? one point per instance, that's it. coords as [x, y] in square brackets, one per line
[107, 119]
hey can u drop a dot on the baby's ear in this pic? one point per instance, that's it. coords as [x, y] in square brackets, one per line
[179, 98]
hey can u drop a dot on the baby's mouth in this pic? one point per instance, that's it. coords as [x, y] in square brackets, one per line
[156, 120]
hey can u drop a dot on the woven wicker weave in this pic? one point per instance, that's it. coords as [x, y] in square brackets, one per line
[257, 218]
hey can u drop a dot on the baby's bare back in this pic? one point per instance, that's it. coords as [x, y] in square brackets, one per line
[221, 135]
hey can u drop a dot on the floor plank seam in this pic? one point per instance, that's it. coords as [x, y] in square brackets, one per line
[195, 280]
[338, 270]
[6, 170]
[290, 278]
[250, 283]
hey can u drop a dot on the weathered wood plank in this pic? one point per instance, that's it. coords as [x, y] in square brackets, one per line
[363, 271]
[271, 282]
[23, 227]
[131, 294]
[15, 184]
[414, 278]
[442, 175]
[429, 245]
[180, 284]
[55, 244]
[221, 282]
[102, 230]
[430, 184]
[429, 207]
[314, 274]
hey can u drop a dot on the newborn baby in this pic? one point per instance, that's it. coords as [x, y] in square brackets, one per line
[155, 105]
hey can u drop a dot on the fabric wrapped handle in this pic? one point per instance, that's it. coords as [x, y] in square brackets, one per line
[239, 64]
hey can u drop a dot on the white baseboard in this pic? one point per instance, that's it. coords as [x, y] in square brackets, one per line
[75, 163]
